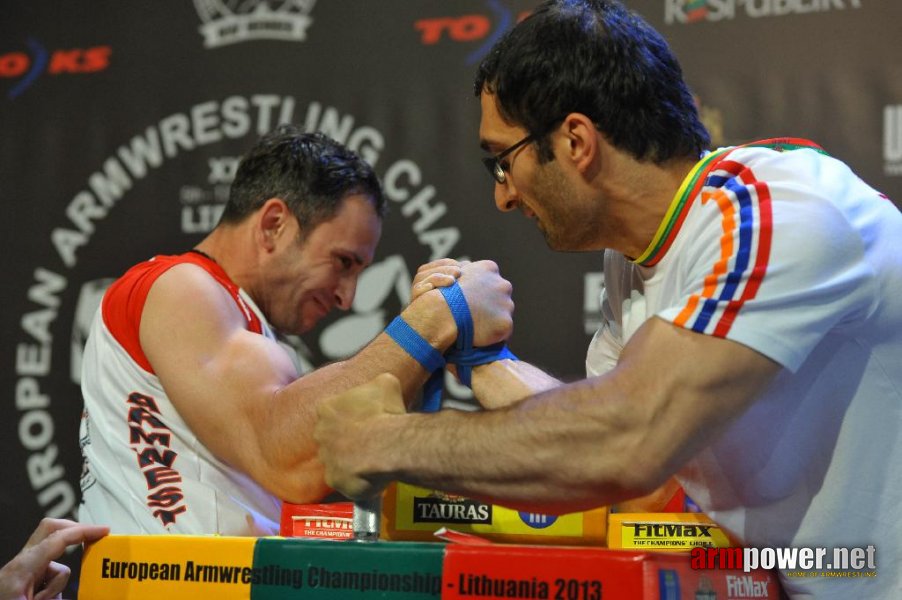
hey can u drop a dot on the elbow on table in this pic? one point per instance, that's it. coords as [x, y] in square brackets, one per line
[302, 483]
[639, 477]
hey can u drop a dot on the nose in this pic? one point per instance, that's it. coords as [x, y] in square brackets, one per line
[344, 293]
[506, 195]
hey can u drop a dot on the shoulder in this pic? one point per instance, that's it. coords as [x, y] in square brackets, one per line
[137, 281]
[188, 314]
[757, 191]
[188, 288]
[800, 171]
[161, 293]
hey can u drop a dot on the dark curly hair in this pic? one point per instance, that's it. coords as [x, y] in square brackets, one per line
[597, 58]
[311, 172]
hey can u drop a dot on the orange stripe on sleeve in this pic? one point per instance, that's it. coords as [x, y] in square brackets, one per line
[719, 269]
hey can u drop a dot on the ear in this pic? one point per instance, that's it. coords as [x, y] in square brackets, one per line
[582, 144]
[273, 222]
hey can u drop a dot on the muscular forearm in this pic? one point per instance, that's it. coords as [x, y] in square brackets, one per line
[506, 382]
[552, 452]
[488, 296]
[429, 316]
[286, 424]
[595, 442]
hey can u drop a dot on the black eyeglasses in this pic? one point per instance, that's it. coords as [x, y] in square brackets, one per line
[493, 163]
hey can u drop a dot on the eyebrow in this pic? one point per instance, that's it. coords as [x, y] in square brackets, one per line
[354, 256]
[486, 146]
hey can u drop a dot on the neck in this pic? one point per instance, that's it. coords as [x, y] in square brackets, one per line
[202, 253]
[232, 248]
[640, 194]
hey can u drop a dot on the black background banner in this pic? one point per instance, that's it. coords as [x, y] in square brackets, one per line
[121, 125]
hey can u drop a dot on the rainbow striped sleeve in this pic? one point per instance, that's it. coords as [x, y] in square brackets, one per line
[745, 241]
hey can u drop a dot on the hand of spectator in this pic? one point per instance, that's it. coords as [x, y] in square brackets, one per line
[32, 573]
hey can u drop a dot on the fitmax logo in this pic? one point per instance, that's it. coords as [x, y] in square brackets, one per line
[655, 530]
[693, 11]
[892, 139]
[25, 67]
[746, 587]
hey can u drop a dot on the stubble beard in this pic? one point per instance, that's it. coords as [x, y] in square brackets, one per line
[563, 226]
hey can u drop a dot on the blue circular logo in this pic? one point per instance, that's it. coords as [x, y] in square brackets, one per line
[537, 520]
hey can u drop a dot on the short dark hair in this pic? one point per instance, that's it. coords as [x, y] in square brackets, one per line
[311, 172]
[597, 58]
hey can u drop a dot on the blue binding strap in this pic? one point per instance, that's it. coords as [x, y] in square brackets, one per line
[414, 344]
[464, 355]
[460, 310]
[467, 359]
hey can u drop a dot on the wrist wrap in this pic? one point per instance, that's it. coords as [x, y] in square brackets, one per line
[463, 354]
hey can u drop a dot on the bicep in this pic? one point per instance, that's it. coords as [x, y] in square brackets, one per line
[217, 374]
[686, 388]
[777, 278]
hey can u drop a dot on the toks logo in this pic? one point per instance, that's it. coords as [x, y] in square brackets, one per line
[694, 11]
[25, 67]
[233, 21]
[468, 28]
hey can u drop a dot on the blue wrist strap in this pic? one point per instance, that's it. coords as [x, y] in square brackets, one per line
[467, 359]
[414, 344]
[464, 355]
[460, 310]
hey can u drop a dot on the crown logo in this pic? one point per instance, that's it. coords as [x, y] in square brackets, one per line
[233, 21]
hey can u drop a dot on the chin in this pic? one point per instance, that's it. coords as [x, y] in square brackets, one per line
[568, 243]
[293, 328]
[305, 327]
[308, 322]
[555, 243]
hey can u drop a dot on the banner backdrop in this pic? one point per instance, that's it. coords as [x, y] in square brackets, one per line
[121, 125]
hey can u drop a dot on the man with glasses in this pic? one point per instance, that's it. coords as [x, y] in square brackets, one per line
[498, 165]
[195, 419]
[752, 330]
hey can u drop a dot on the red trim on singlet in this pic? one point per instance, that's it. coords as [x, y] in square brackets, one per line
[123, 302]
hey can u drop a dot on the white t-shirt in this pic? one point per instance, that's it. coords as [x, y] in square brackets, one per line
[144, 469]
[789, 253]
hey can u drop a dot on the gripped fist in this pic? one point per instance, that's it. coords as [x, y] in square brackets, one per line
[346, 433]
[438, 273]
[488, 295]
